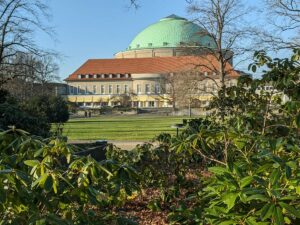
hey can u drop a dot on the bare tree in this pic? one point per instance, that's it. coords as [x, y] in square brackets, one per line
[184, 89]
[32, 75]
[47, 70]
[169, 86]
[134, 3]
[19, 20]
[285, 24]
[224, 24]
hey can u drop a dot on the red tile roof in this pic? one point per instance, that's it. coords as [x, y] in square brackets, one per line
[160, 65]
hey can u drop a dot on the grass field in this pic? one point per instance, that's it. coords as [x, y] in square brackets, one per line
[120, 128]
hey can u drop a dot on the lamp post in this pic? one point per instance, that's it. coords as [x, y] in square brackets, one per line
[177, 126]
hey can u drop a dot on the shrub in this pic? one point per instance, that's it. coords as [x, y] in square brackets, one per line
[37, 188]
[255, 151]
[13, 115]
[53, 108]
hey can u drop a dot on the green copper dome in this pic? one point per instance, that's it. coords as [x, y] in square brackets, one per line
[170, 32]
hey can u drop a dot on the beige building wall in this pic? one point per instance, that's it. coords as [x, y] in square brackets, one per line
[158, 52]
[145, 90]
[166, 52]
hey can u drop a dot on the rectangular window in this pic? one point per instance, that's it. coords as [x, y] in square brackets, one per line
[138, 89]
[70, 90]
[102, 91]
[151, 104]
[213, 87]
[157, 89]
[147, 88]
[209, 87]
[118, 89]
[94, 89]
[86, 90]
[78, 90]
[110, 89]
[126, 89]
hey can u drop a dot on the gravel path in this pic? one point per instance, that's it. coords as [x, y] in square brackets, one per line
[126, 145]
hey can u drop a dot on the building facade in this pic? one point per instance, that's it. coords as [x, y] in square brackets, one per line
[140, 75]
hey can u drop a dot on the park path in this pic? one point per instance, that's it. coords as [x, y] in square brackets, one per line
[125, 145]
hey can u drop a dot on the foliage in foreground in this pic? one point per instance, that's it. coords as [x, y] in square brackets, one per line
[252, 153]
[42, 182]
[256, 177]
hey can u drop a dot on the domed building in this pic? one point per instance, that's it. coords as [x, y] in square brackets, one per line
[143, 75]
[171, 36]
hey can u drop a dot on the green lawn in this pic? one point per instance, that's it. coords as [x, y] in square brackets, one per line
[122, 128]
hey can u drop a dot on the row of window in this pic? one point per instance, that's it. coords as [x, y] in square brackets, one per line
[167, 44]
[147, 89]
[103, 76]
[266, 88]
[134, 104]
[102, 89]
[113, 89]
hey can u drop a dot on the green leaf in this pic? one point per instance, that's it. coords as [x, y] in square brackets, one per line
[288, 172]
[55, 183]
[41, 181]
[267, 211]
[298, 190]
[154, 206]
[48, 183]
[278, 216]
[275, 175]
[287, 220]
[218, 170]
[257, 197]
[38, 152]
[41, 222]
[228, 222]
[105, 170]
[68, 157]
[292, 164]
[290, 209]
[264, 167]
[229, 200]
[31, 163]
[240, 143]
[298, 120]
[23, 178]
[246, 181]
[252, 221]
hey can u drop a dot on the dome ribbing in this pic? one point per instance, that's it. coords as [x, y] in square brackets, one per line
[171, 32]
